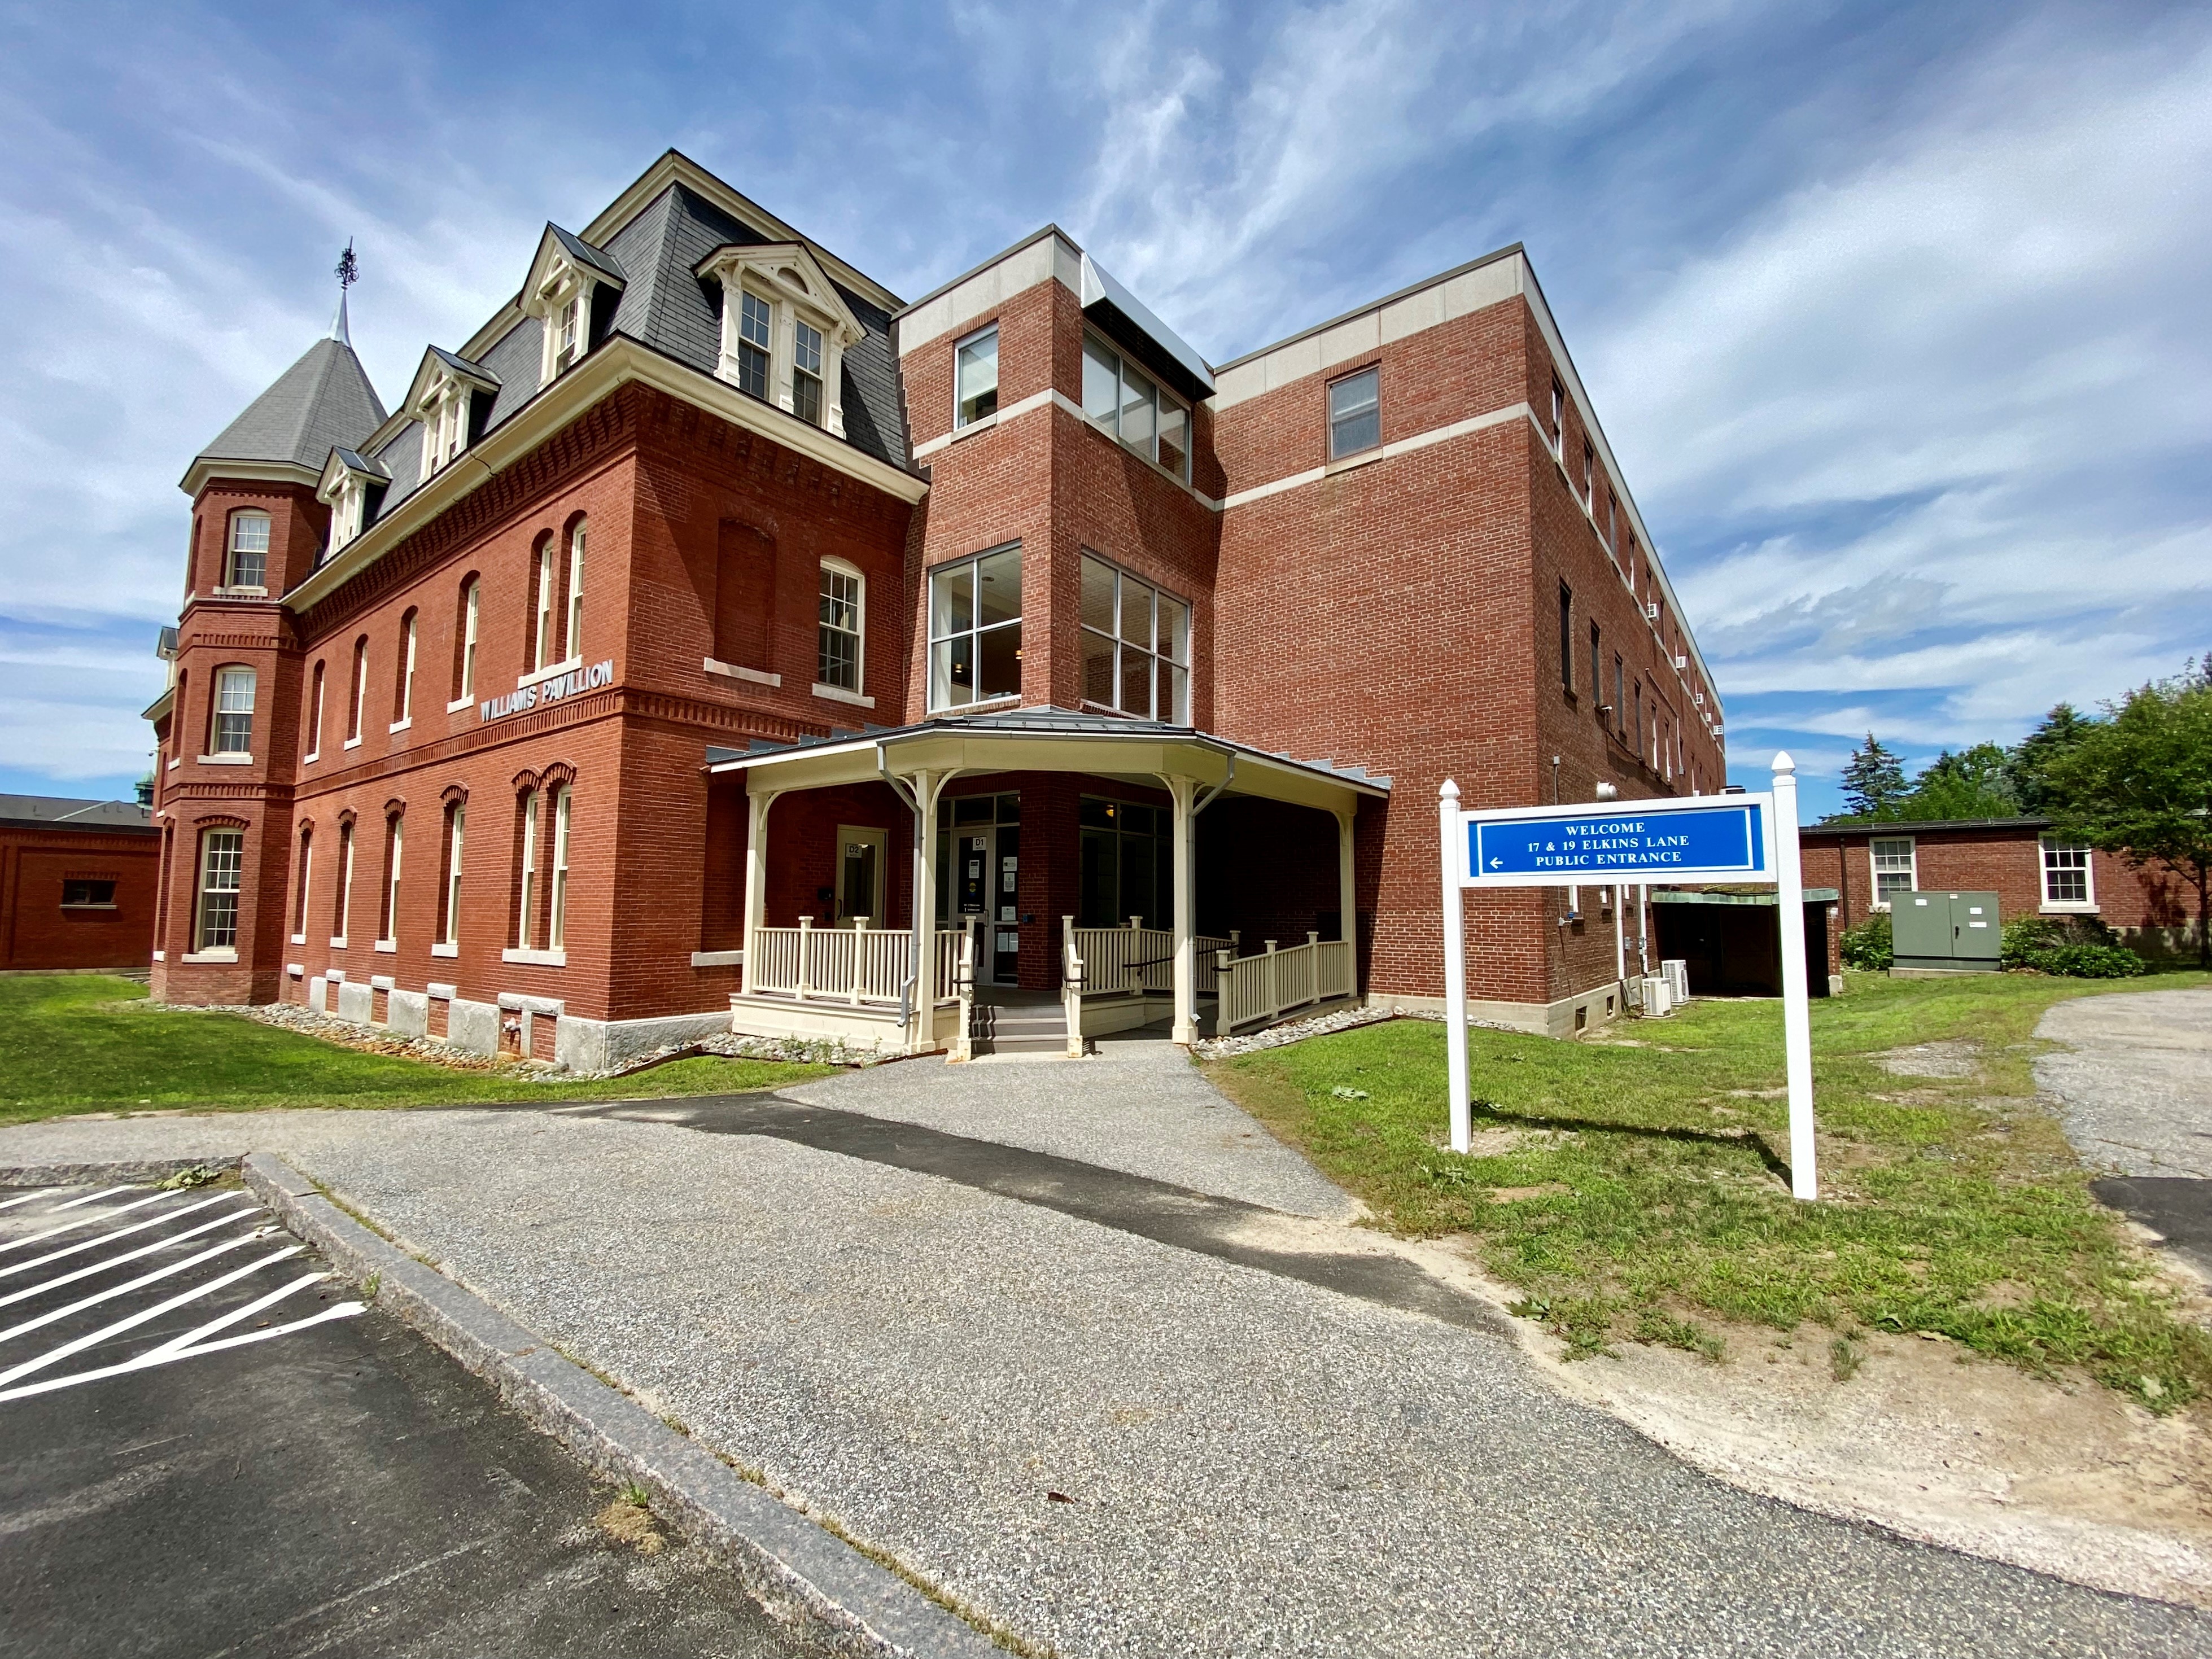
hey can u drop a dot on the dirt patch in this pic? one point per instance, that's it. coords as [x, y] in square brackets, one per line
[628, 1523]
[1953, 1058]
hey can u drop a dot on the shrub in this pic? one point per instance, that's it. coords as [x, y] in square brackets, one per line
[1868, 945]
[2078, 947]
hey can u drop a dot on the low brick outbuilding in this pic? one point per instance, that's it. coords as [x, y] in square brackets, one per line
[77, 881]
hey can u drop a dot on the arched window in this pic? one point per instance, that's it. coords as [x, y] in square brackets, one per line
[839, 631]
[315, 717]
[546, 608]
[525, 862]
[573, 639]
[402, 694]
[246, 561]
[464, 641]
[387, 932]
[342, 899]
[557, 932]
[300, 901]
[449, 888]
[360, 695]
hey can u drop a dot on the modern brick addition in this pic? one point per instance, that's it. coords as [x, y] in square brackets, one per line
[1382, 619]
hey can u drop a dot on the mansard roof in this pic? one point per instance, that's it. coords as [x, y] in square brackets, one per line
[323, 401]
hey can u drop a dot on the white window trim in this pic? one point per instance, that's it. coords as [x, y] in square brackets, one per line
[470, 608]
[230, 551]
[557, 874]
[233, 759]
[193, 958]
[1874, 873]
[836, 693]
[573, 637]
[959, 346]
[407, 677]
[541, 646]
[321, 684]
[2051, 907]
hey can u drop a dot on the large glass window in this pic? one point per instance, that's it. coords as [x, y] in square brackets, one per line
[2065, 872]
[1355, 413]
[1893, 868]
[222, 861]
[807, 372]
[838, 632]
[1122, 398]
[753, 319]
[1126, 863]
[1136, 645]
[976, 630]
[247, 563]
[233, 711]
[975, 377]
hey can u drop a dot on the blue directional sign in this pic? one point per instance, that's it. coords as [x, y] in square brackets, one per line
[1703, 839]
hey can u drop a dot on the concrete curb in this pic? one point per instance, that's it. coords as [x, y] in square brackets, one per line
[138, 1169]
[813, 1583]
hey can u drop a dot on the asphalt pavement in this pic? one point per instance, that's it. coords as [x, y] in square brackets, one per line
[209, 1447]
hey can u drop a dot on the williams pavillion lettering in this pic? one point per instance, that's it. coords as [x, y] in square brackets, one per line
[574, 683]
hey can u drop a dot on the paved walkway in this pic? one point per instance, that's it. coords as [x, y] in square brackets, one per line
[2136, 1084]
[1110, 1444]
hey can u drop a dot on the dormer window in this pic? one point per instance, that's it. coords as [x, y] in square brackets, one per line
[785, 330]
[348, 481]
[443, 398]
[564, 282]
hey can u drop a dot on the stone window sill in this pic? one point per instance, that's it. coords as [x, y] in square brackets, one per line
[299, 938]
[401, 726]
[536, 959]
[839, 694]
[1012, 700]
[2087, 910]
[732, 671]
[353, 743]
[337, 941]
[551, 670]
[718, 958]
[226, 760]
[193, 958]
[67, 906]
[389, 946]
[459, 704]
[445, 949]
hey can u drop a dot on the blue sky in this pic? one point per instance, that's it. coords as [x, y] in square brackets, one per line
[1896, 316]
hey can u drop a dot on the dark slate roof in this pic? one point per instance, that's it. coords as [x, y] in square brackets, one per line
[1050, 721]
[322, 402]
[665, 307]
[461, 365]
[585, 254]
[360, 462]
[62, 812]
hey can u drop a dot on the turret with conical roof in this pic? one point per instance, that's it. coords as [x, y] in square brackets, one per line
[323, 402]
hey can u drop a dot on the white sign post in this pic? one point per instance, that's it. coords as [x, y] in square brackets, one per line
[1750, 839]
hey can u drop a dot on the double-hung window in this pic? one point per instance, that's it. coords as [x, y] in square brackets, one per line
[755, 320]
[1566, 638]
[2066, 878]
[572, 643]
[526, 863]
[402, 712]
[557, 933]
[806, 371]
[541, 651]
[465, 689]
[222, 862]
[1123, 399]
[457, 825]
[1893, 871]
[976, 630]
[395, 844]
[975, 377]
[1355, 413]
[342, 901]
[233, 711]
[306, 866]
[360, 691]
[1136, 645]
[837, 632]
[246, 563]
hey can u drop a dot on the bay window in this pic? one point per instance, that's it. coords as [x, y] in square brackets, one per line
[976, 630]
[1135, 642]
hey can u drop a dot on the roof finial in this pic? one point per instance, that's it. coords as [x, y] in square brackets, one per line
[348, 273]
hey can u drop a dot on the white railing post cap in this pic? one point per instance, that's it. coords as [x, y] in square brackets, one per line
[1784, 766]
[1448, 790]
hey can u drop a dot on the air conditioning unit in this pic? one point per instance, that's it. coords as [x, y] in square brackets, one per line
[1681, 662]
[1676, 972]
[1651, 612]
[1701, 699]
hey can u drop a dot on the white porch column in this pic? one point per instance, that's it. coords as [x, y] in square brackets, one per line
[755, 879]
[924, 786]
[1346, 904]
[1185, 1029]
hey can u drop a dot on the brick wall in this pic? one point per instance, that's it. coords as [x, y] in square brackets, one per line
[37, 930]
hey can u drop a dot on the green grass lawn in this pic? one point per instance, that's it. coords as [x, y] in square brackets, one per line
[72, 1043]
[1633, 1187]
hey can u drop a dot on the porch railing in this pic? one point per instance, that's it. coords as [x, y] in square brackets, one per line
[859, 965]
[1132, 958]
[1254, 989]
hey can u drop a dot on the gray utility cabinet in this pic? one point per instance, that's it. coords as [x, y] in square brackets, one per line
[1953, 931]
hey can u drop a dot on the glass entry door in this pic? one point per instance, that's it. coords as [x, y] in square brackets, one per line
[979, 875]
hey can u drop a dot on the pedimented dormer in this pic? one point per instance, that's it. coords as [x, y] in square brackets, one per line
[350, 484]
[570, 287]
[444, 397]
[784, 329]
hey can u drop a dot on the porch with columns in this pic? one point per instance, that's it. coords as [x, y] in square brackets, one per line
[912, 988]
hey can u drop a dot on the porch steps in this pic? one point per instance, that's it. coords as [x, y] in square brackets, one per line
[1041, 1028]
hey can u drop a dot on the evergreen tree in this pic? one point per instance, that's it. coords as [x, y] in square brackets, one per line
[2027, 768]
[1874, 780]
[1971, 784]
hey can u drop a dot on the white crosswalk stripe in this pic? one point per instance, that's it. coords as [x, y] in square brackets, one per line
[156, 1231]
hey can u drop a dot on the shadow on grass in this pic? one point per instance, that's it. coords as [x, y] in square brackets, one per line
[1719, 1140]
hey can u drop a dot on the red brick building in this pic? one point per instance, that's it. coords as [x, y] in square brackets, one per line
[77, 881]
[2032, 871]
[714, 636]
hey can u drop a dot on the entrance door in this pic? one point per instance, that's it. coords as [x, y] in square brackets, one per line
[861, 855]
[1006, 929]
[979, 877]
